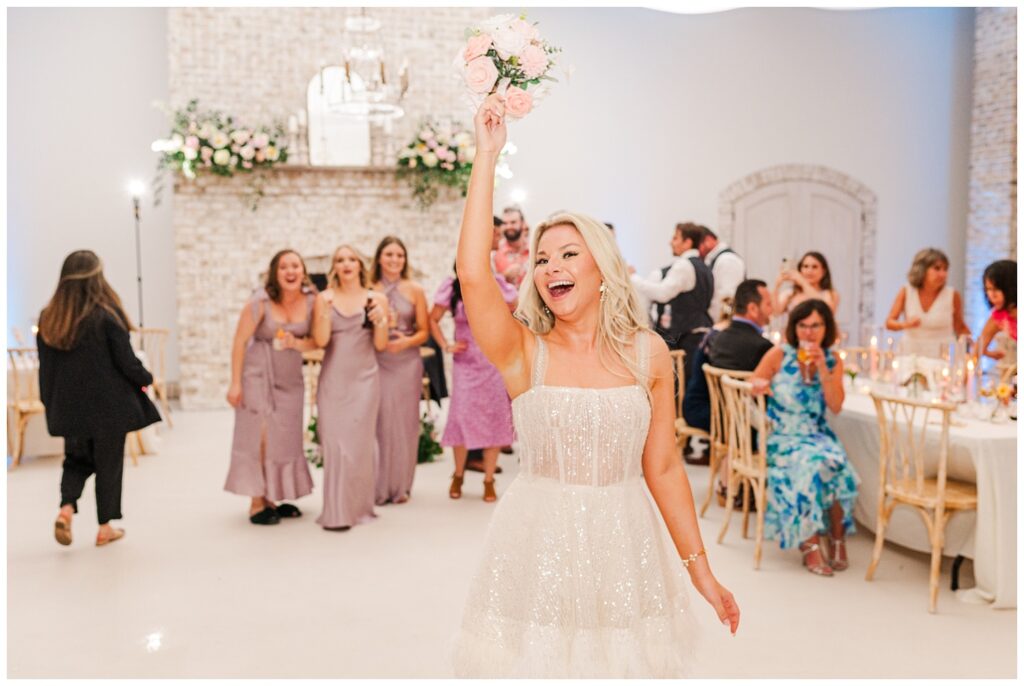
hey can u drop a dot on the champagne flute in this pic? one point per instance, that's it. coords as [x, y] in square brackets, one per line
[803, 356]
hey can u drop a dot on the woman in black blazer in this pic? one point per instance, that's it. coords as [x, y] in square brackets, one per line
[92, 385]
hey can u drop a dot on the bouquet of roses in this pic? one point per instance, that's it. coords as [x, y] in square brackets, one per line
[438, 156]
[506, 55]
[211, 141]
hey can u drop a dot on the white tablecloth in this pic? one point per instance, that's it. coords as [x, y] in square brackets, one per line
[980, 452]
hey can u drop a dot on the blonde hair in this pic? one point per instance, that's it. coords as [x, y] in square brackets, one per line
[333, 281]
[621, 316]
[923, 260]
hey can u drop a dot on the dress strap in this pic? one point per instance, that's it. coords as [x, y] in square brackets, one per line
[540, 362]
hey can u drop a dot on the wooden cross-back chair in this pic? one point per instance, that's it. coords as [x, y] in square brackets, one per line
[23, 397]
[719, 434]
[684, 431]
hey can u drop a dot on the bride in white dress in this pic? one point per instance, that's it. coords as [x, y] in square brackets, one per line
[578, 578]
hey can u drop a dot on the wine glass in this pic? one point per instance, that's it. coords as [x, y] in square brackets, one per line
[803, 356]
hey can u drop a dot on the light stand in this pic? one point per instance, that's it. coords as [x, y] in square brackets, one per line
[136, 189]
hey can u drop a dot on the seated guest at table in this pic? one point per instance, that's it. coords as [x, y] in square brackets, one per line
[480, 413]
[933, 313]
[401, 372]
[267, 391]
[740, 346]
[812, 486]
[1000, 280]
[91, 385]
[351, 322]
[811, 279]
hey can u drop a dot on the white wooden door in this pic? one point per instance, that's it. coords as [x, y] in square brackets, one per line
[789, 218]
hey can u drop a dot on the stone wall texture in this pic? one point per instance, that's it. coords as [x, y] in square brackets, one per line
[255, 64]
[992, 218]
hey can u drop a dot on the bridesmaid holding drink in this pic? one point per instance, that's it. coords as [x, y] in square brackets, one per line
[350, 321]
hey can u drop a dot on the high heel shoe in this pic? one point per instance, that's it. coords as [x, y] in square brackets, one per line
[489, 494]
[455, 491]
[821, 568]
[835, 561]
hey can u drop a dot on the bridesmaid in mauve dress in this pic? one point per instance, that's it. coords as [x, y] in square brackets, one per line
[480, 413]
[267, 391]
[348, 392]
[401, 372]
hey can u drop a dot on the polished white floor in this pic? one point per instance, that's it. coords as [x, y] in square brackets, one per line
[194, 590]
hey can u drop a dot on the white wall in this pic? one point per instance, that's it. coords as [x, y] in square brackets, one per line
[664, 111]
[80, 88]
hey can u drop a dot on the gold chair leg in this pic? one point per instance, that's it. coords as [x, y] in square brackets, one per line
[746, 507]
[884, 512]
[730, 495]
[713, 467]
[760, 500]
[161, 394]
[22, 426]
[936, 566]
[133, 448]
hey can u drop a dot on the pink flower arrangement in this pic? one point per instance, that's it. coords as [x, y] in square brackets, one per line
[506, 55]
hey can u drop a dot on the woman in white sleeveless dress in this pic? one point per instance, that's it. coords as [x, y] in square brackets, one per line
[578, 577]
[933, 313]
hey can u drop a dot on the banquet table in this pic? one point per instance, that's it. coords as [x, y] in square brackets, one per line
[980, 452]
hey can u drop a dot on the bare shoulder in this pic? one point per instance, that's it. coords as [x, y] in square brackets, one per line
[412, 290]
[658, 355]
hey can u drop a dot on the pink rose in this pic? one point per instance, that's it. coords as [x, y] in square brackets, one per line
[477, 47]
[261, 140]
[481, 75]
[518, 102]
[534, 61]
[192, 142]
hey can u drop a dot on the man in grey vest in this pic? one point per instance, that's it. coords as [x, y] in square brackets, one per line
[686, 287]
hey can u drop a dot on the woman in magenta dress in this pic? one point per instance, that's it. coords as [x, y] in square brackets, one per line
[480, 413]
[351, 323]
[267, 391]
[401, 372]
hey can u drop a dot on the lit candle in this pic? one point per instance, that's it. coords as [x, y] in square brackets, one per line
[896, 372]
[971, 387]
[945, 383]
[874, 358]
[776, 337]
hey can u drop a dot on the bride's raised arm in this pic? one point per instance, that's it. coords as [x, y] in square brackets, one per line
[500, 336]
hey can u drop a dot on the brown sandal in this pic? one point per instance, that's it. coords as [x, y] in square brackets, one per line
[118, 534]
[489, 495]
[455, 491]
[820, 569]
[62, 530]
[837, 563]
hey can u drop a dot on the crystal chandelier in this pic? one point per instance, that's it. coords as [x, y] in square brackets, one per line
[370, 89]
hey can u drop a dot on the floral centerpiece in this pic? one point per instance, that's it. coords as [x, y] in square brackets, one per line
[438, 156]
[211, 141]
[428, 447]
[506, 55]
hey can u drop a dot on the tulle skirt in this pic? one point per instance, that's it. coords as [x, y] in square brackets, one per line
[576, 581]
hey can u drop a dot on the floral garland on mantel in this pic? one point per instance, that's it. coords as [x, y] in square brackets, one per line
[211, 142]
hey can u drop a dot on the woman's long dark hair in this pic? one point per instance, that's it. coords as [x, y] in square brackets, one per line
[375, 270]
[456, 292]
[826, 279]
[80, 291]
[1003, 275]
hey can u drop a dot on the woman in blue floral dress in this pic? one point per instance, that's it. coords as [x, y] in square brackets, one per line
[811, 485]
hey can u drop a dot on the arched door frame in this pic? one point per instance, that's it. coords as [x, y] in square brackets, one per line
[736, 191]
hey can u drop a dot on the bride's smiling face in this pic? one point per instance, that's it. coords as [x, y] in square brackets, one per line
[565, 273]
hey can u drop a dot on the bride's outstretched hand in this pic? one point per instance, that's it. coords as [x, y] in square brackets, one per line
[719, 597]
[489, 123]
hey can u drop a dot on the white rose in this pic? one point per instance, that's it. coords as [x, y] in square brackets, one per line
[221, 157]
[205, 131]
[496, 23]
[463, 139]
[470, 153]
[240, 136]
[247, 152]
[509, 42]
[219, 139]
[261, 140]
[429, 159]
[190, 153]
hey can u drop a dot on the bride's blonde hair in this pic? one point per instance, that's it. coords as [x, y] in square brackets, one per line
[621, 316]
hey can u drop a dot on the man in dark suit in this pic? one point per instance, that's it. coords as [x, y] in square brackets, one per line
[740, 346]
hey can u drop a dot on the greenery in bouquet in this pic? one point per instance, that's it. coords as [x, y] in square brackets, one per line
[438, 156]
[314, 455]
[429, 447]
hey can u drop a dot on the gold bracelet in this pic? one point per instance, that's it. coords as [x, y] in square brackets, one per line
[690, 559]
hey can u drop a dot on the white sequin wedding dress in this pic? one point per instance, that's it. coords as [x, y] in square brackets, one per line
[578, 577]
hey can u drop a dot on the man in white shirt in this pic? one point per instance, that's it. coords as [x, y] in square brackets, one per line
[686, 286]
[728, 269]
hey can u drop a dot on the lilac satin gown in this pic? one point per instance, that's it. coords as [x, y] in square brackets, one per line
[348, 399]
[273, 393]
[398, 424]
